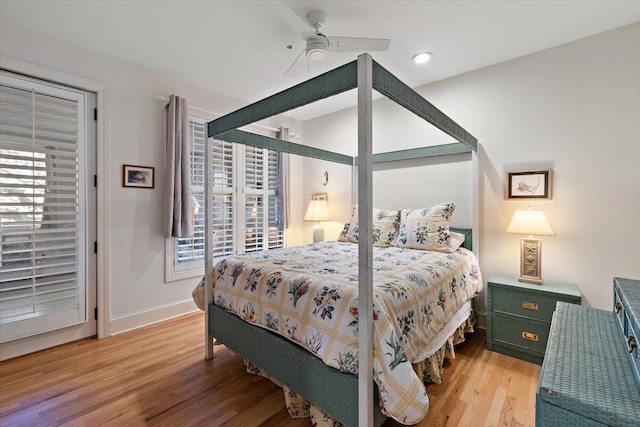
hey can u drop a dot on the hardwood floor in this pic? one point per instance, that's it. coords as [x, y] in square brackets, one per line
[158, 376]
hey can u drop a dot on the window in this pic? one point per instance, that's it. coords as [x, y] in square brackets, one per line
[247, 204]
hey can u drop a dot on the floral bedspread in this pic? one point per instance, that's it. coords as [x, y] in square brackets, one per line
[309, 294]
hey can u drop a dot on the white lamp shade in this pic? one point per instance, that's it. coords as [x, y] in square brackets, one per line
[318, 210]
[531, 222]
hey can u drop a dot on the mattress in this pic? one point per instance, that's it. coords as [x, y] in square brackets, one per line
[309, 294]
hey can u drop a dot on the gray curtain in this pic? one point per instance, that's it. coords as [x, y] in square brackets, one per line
[283, 182]
[178, 188]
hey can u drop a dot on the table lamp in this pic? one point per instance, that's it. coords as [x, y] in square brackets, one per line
[317, 211]
[532, 223]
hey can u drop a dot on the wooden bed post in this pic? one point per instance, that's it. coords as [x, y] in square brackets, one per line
[365, 251]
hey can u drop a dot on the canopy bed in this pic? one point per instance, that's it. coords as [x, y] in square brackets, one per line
[348, 398]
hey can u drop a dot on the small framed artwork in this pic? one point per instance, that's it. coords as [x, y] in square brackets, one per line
[533, 184]
[137, 176]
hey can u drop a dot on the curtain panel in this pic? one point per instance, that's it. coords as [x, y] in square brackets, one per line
[179, 221]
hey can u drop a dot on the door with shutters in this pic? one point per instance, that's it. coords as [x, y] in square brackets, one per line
[47, 214]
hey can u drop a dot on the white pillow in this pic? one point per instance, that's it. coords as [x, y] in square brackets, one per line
[426, 228]
[457, 239]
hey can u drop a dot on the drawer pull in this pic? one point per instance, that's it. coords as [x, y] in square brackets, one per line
[632, 345]
[529, 305]
[529, 336]
[618, 307]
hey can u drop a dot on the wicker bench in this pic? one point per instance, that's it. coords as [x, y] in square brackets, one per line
[586, 377]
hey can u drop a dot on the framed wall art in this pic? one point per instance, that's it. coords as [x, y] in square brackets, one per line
[531, 184]
[137, 176]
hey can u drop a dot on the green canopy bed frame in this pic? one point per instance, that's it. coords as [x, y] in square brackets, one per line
[349, 399]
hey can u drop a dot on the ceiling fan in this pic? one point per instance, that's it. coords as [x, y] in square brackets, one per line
[318, 45]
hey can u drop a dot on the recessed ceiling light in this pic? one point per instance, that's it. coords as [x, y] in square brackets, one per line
[422, 57]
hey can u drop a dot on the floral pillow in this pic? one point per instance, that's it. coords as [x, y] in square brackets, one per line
[426, 228]
[384, 228]
[343, 234]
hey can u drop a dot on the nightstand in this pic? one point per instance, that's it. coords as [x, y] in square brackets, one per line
[519, 314]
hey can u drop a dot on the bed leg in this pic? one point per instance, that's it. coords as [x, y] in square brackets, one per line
[208, 340]
[208, 348]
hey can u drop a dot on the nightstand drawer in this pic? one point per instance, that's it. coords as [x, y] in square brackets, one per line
[521, 334]
[524, 304]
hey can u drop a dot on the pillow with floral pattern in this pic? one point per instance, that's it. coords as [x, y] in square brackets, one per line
[384, 228]
[426, 228]
[344, 234]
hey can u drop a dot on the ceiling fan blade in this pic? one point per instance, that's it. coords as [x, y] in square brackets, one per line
[357, 44]
[298, 24]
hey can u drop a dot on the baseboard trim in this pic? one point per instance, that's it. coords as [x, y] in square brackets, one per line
[144, 318]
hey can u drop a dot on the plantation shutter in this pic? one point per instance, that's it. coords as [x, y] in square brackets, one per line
[42, 229]
[190, 250]
[254, 198]
[246, 208]
[275, 231]
[223, 198]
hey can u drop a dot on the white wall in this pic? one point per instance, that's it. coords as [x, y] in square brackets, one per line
[574, 108]
[135, 127]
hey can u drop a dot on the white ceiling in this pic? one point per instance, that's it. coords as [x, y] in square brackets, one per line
[238, 48]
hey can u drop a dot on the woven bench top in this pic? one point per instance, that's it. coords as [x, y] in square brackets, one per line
[586, 370]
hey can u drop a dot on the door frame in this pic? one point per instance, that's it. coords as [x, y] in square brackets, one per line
[102, 203]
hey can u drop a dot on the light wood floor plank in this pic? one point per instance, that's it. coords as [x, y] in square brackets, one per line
[157, 376]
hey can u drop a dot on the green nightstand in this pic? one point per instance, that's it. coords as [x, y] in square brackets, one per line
[519, 314]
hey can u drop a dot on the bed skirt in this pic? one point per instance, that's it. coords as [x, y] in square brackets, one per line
[430, 370]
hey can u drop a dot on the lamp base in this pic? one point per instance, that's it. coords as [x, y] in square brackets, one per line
[530, 268]
[318, 235]
[530, 280]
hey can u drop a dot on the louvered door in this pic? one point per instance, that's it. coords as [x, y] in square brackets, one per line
[43, 209]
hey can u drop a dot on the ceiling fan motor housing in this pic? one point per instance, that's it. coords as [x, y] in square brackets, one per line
[317, 47]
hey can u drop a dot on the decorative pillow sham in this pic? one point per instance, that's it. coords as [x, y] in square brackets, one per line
[426, 228]
[384, 228]
[343, 234]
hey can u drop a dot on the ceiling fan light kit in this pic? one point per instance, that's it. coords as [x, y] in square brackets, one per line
[317, 47]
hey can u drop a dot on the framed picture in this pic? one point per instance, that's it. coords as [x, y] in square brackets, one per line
[534, 184]
[137, 176]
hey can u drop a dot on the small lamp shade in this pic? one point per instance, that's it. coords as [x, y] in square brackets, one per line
[531, 222]
[318, 210]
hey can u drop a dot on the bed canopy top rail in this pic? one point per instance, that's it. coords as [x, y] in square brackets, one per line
[331, 83]
[262, 141]
[420, 153]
